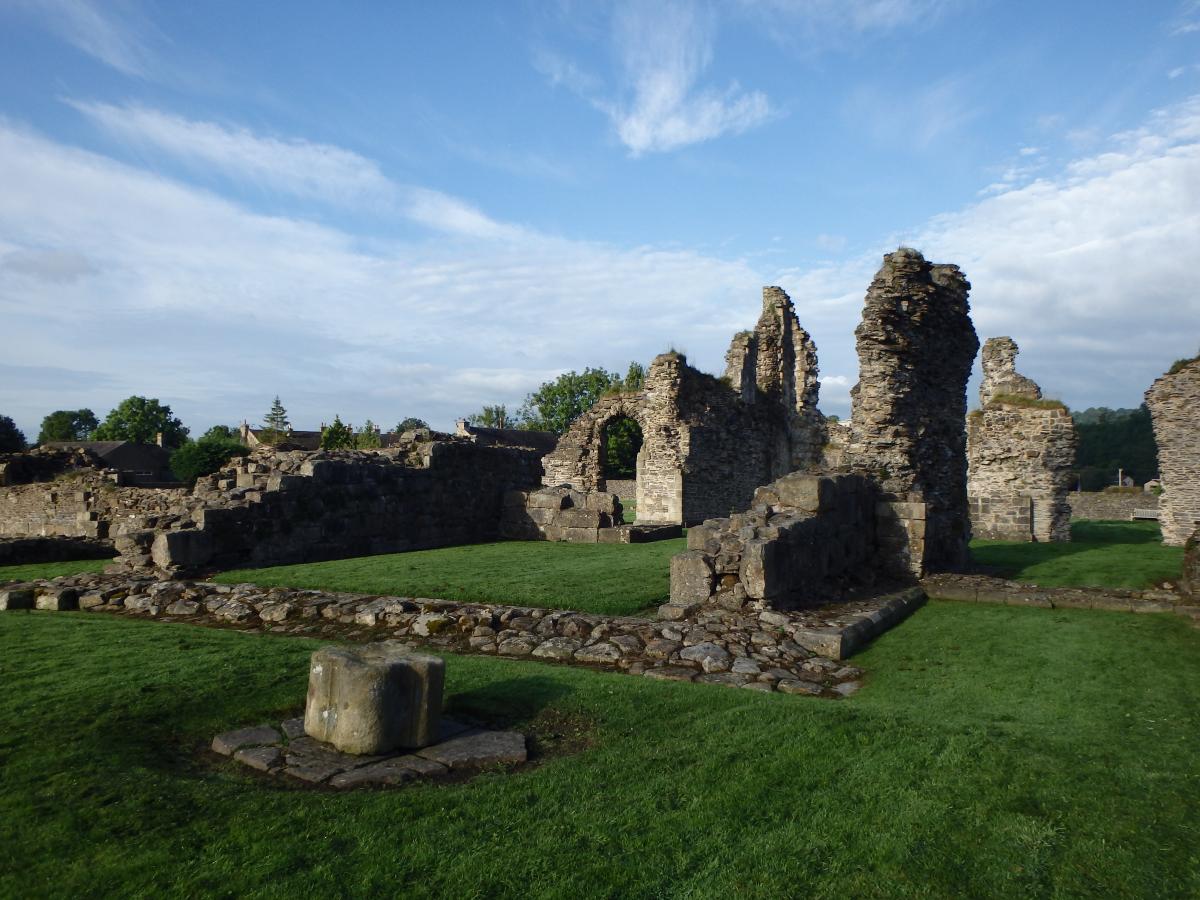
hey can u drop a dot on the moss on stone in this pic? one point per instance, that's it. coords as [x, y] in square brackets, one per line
[1028, 402]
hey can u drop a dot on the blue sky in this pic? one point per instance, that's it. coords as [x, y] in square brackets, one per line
[382, 210]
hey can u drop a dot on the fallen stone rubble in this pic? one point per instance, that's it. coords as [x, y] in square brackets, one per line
[797, 653]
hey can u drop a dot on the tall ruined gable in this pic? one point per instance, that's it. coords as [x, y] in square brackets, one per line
[1000, 376]
[1174, 401]
[916, 345]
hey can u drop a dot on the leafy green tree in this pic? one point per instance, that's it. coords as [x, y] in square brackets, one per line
[556, 404]
[12, 438]
[220, 431]
[338, 436]
[205, 456]
[411, 424]
[68, 425]
[140, 419]
[367, 437]
[622, 441]
[635, 378]
[491, 417]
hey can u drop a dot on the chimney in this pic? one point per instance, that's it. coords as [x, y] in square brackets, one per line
[158, 439]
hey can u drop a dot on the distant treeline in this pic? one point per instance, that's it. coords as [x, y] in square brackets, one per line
[1112, 440]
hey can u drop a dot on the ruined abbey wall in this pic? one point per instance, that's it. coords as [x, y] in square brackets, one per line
[707, 443]
[1174, 401]
[916, 345]
[1021, 452]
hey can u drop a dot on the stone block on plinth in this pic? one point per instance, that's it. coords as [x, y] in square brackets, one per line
[375, 698]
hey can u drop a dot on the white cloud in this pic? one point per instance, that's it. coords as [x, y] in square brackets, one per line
[177, 293]
[300, 168]
[662, 51]
[98, 30]
[817, 25]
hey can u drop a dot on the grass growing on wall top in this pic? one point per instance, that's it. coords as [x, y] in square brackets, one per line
[994, 752]
[613, 579]
[1027, 402]
[1100, 554]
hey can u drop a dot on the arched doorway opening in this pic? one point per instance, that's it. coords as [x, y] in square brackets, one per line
[620, 442]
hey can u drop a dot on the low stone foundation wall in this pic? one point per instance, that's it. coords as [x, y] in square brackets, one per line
[792, 653]
[1111, 506]
[562, 514]
[985, 589]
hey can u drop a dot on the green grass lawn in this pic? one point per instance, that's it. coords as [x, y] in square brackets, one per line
[994, 752]
[614, 579]
[1100, 554]
[32, 571]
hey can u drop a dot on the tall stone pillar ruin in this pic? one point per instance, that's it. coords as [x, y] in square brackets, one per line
[1174, 401]
[916, 346]
[1021, 452]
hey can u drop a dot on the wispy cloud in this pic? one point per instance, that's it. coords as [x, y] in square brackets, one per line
[108, 32]
[914, 119]
[662, 52]
[814, 25]
[1187, 18]
[300, 168]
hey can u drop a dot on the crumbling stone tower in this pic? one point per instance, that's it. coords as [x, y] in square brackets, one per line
[916, 345]
[1174, 401]
[778, 361]
[1020, 452]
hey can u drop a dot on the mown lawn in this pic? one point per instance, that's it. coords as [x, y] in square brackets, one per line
[994, 752]
[31, 571]
[1100, 554]
[613, 579]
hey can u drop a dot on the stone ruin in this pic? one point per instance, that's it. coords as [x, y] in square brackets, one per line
[1020, 454]
[1174, 401]
[708, 443]
[276, 507]
[897, 507]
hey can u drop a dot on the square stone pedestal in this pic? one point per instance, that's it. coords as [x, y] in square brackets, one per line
[374, 699]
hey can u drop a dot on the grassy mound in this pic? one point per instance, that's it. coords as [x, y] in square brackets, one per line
[993, 752]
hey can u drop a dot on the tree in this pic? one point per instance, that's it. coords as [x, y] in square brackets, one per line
[12, 438]
[140, 420]
[635, 378]
[205, 456]
[68, 425]
[622, 441]
[556, 404]
[1112, 439]
[276, 418]
[220, 431]
[337, 436]
[491, 417]
[367, 437]
[411, 424]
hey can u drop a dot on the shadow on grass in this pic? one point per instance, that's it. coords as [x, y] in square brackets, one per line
[510, 701]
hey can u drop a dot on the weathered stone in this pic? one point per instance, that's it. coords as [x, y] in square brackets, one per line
[799, 686]
[265, 759]
[477, 748]
[16, 598]
[292, 728]
[670, 673]
[556, 648]
[517, 646]
[374, 698]
[57, 599]
[388, 772]
[601, 653]
[183, 608]
[712, 657]
[1174, 402]
[661, 648]
[430, 623]
[231, 741]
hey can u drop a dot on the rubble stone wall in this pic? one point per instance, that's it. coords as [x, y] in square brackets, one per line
[1103, 505]
[707, 443]
[805, 540]
[916, 345]
[1021, 453]
[276, 508]
[80, 504]
[559, 514]
[1174, 401]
